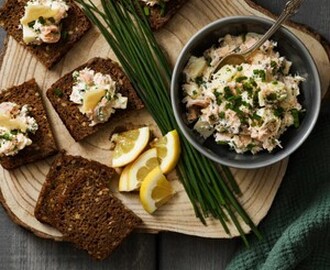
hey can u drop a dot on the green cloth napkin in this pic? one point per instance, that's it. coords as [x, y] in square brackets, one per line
[296, 230]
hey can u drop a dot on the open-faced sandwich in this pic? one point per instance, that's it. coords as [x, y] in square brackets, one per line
[76, 200]
[159, 12]
[91, 95]
[25, 134]
[47, 28]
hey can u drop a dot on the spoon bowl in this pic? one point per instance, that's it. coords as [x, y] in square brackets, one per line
[234, 59]
[290, 9]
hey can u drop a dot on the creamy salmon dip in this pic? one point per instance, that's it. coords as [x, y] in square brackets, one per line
[41, 22]
[97, 94]
[15, 127]
[247, 106]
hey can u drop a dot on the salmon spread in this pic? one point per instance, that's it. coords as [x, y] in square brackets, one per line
[97, 94]
[41, 22]
[247, 106]
[15, 126]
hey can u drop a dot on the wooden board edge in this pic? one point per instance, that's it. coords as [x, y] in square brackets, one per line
[17, 221]
[301, 27]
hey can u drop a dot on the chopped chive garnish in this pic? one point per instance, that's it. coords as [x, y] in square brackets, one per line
[146, 11]
[239, 68]
[295, 115]
[31, 24]
[278, 111]
[42, 20]
[199, 80]
[240, 79]
[6, 136]
[273, 64]
[256, 117]
[58, 92]
[261, 73]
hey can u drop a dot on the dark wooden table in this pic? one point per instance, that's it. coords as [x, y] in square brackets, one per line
[20, 249]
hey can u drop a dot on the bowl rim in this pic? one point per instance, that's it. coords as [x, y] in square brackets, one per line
[236, 163]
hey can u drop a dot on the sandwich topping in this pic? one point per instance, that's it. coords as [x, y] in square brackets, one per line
[154, 2]
[15, 126]
[41, 22]
[97, 94]
[248, 106]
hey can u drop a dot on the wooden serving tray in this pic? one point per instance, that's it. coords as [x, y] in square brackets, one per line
[19, 189]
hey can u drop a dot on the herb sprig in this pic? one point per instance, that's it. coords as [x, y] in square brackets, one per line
[125, 27]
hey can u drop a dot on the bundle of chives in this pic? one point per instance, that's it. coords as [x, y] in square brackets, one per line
[126, 29]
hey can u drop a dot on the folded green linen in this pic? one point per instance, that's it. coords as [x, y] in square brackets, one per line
[297, 228]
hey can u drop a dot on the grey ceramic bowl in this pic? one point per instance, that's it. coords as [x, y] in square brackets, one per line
[290, 47]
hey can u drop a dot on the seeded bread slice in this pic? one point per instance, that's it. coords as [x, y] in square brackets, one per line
[63, 172]
[74, 26]
[43, 142]
[94, 220]
[76, 200]
[159, 16]
[77, 123]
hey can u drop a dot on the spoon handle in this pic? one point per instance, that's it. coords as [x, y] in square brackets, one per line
[291, 8]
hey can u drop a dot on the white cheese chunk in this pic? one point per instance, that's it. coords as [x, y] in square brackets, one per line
[33, 12]
[28, 34]
[225, 74]
[12, 124]
[195, 67]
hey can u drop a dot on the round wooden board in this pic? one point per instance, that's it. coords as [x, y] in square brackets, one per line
[20, 188]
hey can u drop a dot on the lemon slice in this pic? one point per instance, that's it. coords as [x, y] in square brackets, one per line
[129, 145]
[155, 190]
[168, 150]
[123, 180]
[140, 168]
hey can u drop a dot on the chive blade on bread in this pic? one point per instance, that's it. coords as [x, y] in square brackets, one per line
[125, 27]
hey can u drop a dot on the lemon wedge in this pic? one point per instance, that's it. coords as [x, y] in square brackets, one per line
[129, 145]
[168, 150]
[140, 168]
[123, 180]
[155, 190]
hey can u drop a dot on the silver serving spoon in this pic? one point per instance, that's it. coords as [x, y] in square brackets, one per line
[290, 9]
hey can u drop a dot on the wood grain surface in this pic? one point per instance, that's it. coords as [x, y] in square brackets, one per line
[20, 250]
[20, 187]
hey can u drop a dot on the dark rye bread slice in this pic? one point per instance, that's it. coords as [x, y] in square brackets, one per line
[74, 27]
[77, 123]
[43, 143]
[93, 219]
[158, 16]
[76, 200]
[63, 172]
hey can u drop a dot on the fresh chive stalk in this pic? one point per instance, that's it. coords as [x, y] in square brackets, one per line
[124, 25]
